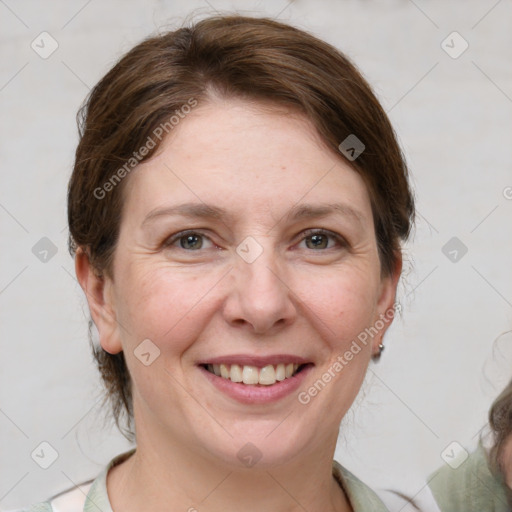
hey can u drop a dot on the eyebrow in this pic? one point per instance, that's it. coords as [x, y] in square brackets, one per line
[192, 210]
[312, 211]
[298, 212]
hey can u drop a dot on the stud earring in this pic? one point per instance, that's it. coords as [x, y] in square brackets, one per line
[378, 355]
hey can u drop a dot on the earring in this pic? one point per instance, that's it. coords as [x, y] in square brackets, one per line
[377, 356]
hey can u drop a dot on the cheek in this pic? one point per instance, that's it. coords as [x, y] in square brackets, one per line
[165, 305]
[345, 304]
[171, 309]
[507, 461]
[341, 310]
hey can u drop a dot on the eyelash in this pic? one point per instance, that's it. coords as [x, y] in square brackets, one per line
[308, 233]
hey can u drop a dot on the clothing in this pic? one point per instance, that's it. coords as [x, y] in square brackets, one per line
[469, 488]
[361, 497]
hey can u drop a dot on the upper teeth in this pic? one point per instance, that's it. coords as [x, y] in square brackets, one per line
[266, 376]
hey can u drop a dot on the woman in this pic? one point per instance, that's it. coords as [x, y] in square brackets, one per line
[500, 454]
[483, 482]
[236, 210]
[479, 482]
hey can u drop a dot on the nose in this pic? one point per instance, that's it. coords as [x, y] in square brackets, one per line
[259, 299]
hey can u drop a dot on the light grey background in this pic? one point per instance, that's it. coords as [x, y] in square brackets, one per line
[445, 360]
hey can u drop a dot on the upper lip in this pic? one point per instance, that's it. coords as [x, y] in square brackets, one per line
[251, 360]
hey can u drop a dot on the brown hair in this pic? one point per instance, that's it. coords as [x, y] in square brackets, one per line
[256, 59]
[500, 420]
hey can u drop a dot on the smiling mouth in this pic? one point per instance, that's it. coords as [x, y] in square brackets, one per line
[252, 375]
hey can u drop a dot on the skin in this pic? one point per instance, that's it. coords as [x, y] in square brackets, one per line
[506, 457]
[257, 164]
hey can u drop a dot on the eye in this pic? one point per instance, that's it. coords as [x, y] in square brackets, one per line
[188, 241]
[318, 239]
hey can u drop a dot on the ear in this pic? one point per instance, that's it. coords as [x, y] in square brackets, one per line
[98, 290]
[386, 306]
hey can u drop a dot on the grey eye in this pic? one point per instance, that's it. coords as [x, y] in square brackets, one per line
[192, 242]
[318, 241]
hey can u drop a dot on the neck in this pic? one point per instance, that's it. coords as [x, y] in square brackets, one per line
[162, 472]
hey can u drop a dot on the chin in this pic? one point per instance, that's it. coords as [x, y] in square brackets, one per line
[256, 448]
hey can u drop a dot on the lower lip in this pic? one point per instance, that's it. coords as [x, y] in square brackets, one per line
[257, 394]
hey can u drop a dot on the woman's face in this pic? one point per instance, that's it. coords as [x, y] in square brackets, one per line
[245, 243]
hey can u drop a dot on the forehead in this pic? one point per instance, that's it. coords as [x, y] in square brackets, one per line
[247, 156]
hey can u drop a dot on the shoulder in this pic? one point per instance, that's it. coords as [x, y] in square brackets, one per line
[39, 507]
[361, 497]
[469, 487]
[72, 500]
[90, 496]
